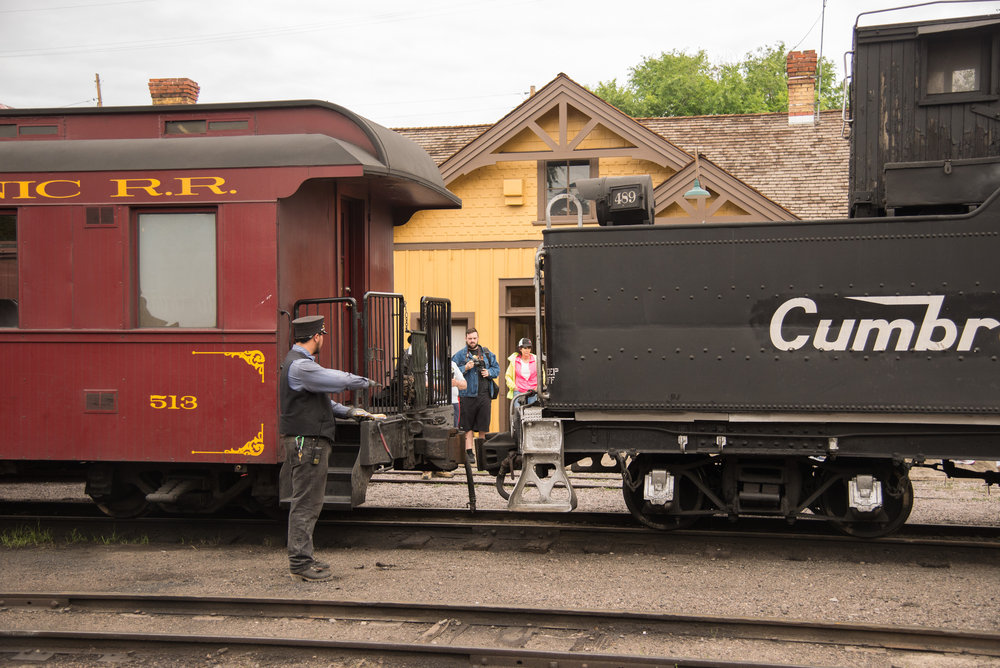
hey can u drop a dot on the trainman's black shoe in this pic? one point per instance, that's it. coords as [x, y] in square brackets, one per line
[470, 457]
[312, 574]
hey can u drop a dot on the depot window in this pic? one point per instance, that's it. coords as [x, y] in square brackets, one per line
[8, 269]
[177, 270]
[555, 178]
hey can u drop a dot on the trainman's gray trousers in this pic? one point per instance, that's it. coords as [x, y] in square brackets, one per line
[308, 476]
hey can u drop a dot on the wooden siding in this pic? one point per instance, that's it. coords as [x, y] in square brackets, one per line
[484, 213]
[471, 279]
[893, 122]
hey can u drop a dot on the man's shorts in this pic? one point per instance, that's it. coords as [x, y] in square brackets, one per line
[474, 413]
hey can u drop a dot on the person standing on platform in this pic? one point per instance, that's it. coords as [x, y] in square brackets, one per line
[458, 383]
[522, 370]
[479, 366]
[307, 424]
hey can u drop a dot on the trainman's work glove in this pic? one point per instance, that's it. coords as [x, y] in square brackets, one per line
[362, 414]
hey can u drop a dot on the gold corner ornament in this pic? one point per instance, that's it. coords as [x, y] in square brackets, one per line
[252, 448]
[254, 358]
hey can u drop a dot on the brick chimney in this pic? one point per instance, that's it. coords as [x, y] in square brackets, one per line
[801, 68]
[173, 91]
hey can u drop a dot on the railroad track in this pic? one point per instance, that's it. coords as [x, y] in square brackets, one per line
[579, 531]
[86, 626]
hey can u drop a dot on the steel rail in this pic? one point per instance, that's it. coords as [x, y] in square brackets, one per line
[483, 480]
[595, 523]
[911, 638]
[490, 656]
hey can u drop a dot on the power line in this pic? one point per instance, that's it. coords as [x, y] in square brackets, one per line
[393, 17]
[83, 6]
[808, 32]
[397, 102]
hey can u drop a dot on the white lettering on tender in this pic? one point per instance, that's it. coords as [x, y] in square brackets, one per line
[933, 333]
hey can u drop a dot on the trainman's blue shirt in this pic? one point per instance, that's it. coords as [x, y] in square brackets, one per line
[306, 374]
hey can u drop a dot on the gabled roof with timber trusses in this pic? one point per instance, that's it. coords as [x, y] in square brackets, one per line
[562, 95]
[756, 166]
[727, 192]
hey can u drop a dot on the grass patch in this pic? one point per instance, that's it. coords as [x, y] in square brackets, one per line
[204, 541]
[115, 538]
[26, 536]
[36, 536]
[75, 537]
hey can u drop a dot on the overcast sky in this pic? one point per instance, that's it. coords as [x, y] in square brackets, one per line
[398, 63]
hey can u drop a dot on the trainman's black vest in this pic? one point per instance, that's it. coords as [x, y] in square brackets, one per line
[303, 413]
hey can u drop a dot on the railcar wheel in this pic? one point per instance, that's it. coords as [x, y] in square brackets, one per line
[687, 495]
[126, 502]
[897, 502]
[267, 506]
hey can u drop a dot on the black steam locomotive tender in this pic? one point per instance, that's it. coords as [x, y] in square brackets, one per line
[794, 369]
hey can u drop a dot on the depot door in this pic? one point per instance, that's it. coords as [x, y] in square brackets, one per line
[517, 321]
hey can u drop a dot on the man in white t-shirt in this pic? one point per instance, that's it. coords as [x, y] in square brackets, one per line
[458, 382]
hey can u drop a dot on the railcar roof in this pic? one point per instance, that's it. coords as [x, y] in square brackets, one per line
[397, 157]
[99, 155]
[882, 26]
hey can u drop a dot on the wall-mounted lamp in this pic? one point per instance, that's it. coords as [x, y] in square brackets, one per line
[697, 192]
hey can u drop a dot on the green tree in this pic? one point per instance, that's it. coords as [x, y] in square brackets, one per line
[681, 84]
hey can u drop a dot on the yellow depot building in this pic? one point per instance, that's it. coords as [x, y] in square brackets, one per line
[756, 167]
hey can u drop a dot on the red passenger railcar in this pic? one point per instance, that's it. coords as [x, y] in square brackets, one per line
[150, 259]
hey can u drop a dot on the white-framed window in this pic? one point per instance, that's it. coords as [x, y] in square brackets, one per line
[177, 270]
[555, 178]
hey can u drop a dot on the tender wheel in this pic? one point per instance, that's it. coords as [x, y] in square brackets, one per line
[897, 502]
[687, 495]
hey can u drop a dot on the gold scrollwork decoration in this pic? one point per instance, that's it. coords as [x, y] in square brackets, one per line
[252, 448]
[254, 358]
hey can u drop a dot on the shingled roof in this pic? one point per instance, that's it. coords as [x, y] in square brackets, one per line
[443, 142]
[801, 167]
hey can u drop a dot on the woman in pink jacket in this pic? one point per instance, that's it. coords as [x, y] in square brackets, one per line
[522, 372]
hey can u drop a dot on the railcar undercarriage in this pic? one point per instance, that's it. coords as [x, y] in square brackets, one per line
[864, 498]
[421, 440]
[674, 474]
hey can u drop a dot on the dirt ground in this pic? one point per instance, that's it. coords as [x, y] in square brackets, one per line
[956, 590]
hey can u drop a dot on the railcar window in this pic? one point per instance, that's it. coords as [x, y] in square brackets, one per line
[203, 126]
[35, 130]
[177, 279]
[98, 216]
[559, 174]
[8, 130]
[957, 64]
[8, 270]
[224, 126]
[186, 127]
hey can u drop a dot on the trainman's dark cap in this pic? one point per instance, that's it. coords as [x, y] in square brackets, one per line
[307, 327]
